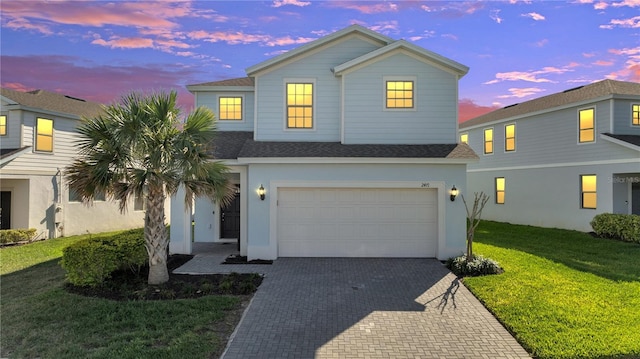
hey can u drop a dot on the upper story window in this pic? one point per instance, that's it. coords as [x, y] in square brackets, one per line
[635, 115]
[230, 108]
[588, 186]
[44, 135]
[586, 125]
[510, 137]
[400, 94]
[500, 190]
[464, 138]
[488, 141]
[299, 105]
[3, 125]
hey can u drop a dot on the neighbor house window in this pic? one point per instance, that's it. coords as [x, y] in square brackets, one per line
[400, 94]
[75, 197]
[44, 135]
[3, 125]
[635, 115]
[464, 138]
[139, 203]
[230, 108]
[588, 191]
[510, 138]
[500, 190]
[488, 141]
[587, 125]
[299, 105]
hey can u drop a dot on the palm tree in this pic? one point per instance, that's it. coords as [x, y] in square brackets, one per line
[138, 147]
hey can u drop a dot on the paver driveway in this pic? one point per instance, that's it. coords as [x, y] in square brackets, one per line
[367, 308]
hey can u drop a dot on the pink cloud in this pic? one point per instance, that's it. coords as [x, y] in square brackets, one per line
[467, 109]
[633, 23]
[603, 63]
[453, 9]
[588, 54]
[125, 43]
[522, 92]
[100, 83]
[364, 7]
[529, 76]
[279, 3]
[534, 15]
[239, 37]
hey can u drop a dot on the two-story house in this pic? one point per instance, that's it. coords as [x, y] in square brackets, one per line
[37, 134]
[345, 146]
[559, 160]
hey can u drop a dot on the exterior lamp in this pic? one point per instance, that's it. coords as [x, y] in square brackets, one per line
[454, 193]
[261, 192]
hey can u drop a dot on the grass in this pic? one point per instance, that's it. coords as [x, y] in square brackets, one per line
[564, 294]
[42, 320]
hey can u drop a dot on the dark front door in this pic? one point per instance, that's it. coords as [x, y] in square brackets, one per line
[230, 219]
[5, 210]
[635, 198]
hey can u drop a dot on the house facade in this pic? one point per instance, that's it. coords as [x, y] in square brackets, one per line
[559, 160]
[345, 146]
[37, 134]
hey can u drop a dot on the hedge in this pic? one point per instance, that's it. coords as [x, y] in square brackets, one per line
[625, 227]
[16, 235]
[90, 262]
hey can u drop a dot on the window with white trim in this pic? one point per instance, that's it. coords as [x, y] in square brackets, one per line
[300, 105]
[500, 185]
[488, 141]
[586, 125]
[588, 191]
[510, 137]
[464, 138]
[3, 125]
[635, 115]
[399, 94]
[230, 108]
[44, 135]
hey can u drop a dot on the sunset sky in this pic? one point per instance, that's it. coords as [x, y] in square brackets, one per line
[516, 50]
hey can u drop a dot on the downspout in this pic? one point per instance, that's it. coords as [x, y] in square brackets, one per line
[57, 208]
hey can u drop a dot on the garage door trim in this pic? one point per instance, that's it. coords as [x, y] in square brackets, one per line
[427, 185]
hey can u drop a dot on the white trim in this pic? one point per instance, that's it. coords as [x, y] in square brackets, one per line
[611, 118]
[619, 142]
[255, 111]
[595, 124]
[440, 186]
[196, 88]
[555, 165]
[342, 119]
[356, 160]
[299, 80]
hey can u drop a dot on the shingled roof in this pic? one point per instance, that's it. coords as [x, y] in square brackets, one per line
[240, 81]
[592, 91]
[233, 145]
[51, 101]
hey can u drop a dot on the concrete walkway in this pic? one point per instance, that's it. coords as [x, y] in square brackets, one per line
[360, 308]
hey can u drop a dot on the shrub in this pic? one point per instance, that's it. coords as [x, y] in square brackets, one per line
[625, 227]
[477, 267]
[91, 261]
[16, 235]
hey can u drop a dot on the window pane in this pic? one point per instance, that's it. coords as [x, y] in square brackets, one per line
[464, 138]
[500, 197]
[586, 135]
[510, 144]
[3, 125]
[488, 135]
[589, 200]
[488, 147]
[500, 184]
[510, 131]
[45, 127]
[44, 143]
[589, 183]
[586, 119]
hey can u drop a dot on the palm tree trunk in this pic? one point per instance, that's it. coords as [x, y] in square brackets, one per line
[155, 235]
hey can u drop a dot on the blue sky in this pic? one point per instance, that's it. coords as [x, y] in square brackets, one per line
[516, 50]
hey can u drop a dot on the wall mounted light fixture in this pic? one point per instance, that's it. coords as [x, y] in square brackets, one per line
[261, 192]
[454, 193]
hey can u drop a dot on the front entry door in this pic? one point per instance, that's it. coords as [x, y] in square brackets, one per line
[635, 198]
[230, 219]
[5, 210]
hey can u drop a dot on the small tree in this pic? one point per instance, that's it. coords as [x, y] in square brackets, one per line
[473, 219]
[139, 148]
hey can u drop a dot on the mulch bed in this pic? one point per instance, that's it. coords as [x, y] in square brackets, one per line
[235, 259]
[132, 285]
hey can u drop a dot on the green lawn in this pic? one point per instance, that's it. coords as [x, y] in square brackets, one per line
[41, 320]
[564, 294]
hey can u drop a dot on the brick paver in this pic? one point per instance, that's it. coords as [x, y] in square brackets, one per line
[362, 308]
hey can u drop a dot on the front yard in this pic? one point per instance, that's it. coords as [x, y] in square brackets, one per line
[42, 320]
[564, 294]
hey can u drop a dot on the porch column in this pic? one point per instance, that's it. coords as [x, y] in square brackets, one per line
[180, 233]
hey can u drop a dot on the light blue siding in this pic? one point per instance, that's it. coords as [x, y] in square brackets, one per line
[210, 99]
[433, 120]
[14, 124]
[622, 118]
[270, 89]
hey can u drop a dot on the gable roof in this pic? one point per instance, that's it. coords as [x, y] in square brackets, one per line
[600, 89]
[51, 101]
[239, 81]
[353, 29]
[234, 145]
[630, 141]
[430, 56]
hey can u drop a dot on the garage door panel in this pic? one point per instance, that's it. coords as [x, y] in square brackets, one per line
[348, 222]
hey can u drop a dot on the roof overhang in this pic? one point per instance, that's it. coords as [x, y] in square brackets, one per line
[620, 142]
[354, 160]
[13, 155]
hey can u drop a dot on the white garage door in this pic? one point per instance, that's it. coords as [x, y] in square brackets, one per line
[357, 222]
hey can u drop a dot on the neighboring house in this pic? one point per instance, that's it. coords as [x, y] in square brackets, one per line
[345, 146]
[559, 160]
[37, 134]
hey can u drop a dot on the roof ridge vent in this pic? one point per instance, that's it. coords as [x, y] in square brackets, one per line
[75, 98]
[515, 104]
[573, 89]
